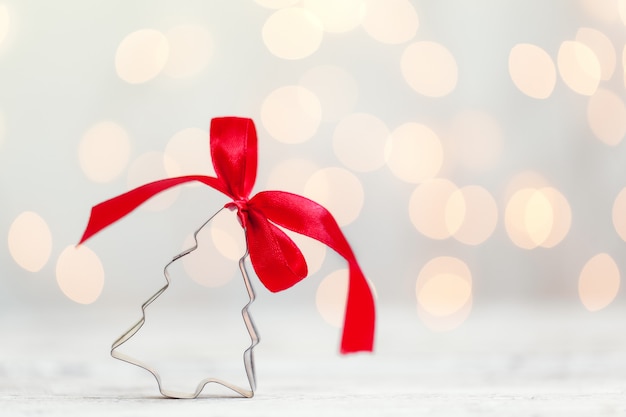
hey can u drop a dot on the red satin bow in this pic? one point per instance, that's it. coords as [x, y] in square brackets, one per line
[276, 259]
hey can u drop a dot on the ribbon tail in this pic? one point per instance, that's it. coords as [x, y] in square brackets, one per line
[360, 316]
[110, 211]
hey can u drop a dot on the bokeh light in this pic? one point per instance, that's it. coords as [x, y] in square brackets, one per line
[291, 175]
[604, 10]
[390, 21]
[335, 88]
[579, 67]
[190, 48]
[414, 153]
[562, 216]
[277, 4]
[444, 293]
[206, 266]
[30, 241]
[429, 68]
[479, 215]
[150, 167]
[454, 211]
[606, 115]
[598, 283]
[104, 151]
[141, 56]
[188, 153]
[292, 33]
[537, 217]
[331, 297]
[475, 140]
[429, 212]
[291, 114]
[532, 70]
[602, 47]
[227, 235]
[337, 189]
[359, 142]
[336, 15]
[79, 274]
[619, 214]
[5, 22]
[516, 216]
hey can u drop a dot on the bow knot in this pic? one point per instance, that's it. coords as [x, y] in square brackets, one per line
[276, 259]
[241, 205]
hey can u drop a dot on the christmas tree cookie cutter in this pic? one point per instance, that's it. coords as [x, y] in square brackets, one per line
[248, 355]
[277, 261]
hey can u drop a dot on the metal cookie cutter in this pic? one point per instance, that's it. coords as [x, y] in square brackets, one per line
[248, 355]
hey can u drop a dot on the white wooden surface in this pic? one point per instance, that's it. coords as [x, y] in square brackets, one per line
[504, 361]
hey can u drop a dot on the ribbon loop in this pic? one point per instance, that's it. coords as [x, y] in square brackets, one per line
[234, 154]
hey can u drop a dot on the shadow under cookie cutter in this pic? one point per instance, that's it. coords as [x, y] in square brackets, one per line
[248, 355]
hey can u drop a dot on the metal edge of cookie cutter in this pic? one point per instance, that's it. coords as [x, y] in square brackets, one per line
[248, 355]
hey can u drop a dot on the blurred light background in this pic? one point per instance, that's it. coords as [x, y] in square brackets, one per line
[471, 151]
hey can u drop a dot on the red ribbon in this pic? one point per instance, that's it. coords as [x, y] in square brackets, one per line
[276, 259]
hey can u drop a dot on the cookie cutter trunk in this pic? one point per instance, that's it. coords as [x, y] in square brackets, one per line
[248, 354]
